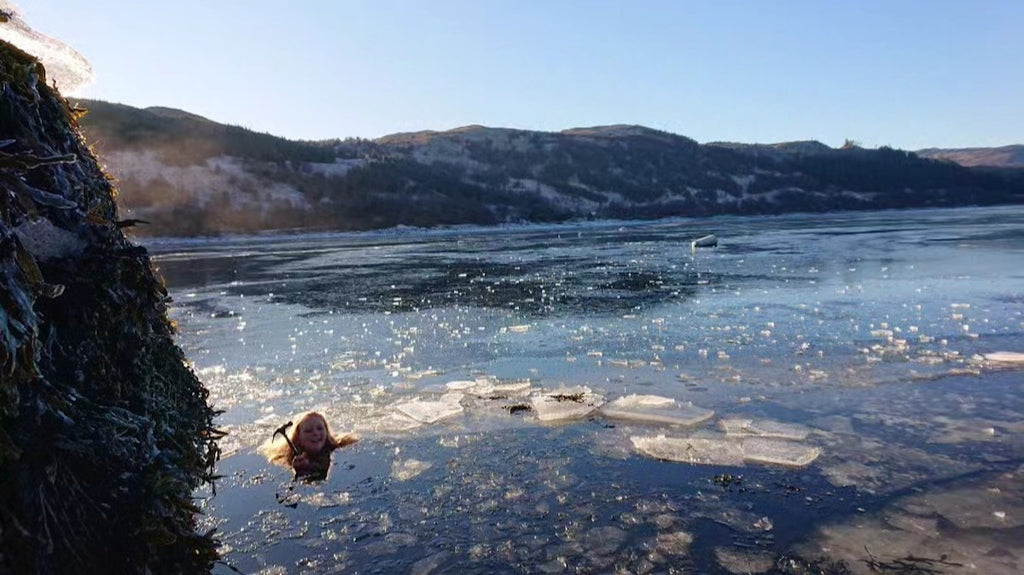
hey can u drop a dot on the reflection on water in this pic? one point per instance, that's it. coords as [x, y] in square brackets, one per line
[869, 330]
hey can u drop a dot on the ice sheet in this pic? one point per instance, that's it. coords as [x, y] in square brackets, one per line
[565, 403]
[432, 411]
[726, 450]
[1014, 357]
[763, 428]
[778, 452]
[656, 409]
[699, 450]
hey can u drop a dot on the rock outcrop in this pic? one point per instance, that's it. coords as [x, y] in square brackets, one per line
[105, 433]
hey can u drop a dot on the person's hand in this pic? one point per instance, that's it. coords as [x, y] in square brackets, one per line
[302, 463]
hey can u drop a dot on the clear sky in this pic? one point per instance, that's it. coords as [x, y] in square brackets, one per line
[909, 74]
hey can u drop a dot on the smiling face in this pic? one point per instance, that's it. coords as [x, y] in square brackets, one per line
[312, 434]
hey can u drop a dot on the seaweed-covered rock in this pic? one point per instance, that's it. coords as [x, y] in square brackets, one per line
[104, 431]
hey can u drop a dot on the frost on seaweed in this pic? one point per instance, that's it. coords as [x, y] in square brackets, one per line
[104, 433]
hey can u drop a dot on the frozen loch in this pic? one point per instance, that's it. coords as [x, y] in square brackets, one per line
[598, 397]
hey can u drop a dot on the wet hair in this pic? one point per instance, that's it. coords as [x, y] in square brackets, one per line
[278, 451]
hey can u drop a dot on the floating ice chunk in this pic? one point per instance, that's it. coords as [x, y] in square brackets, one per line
[763, 428]
[432, 411]
[492, 388]
[778, 451]
[744, 561]
[1014, 357]
[656, 409]
[565, 403]
[677, 543]
[708, 241]
[648, 401]
[392, 422]
[460, 385]
[699, 450]
[408, 469]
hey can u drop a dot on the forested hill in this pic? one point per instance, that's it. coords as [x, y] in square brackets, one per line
[187, 175]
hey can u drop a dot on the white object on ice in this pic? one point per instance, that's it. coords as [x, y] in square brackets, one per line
[565, 403]
[432, 411]
[763, 428]
[656, 409]
[1005, 357]
[708, 241]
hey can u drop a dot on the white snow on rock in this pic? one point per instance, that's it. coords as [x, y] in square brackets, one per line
[763, 428]
[656, 409]
[45, 241]
[565, 403]
[64, 65]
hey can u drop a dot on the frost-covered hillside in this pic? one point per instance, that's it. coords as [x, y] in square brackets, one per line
[188, 175]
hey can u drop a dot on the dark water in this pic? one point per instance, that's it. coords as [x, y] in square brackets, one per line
[868, 330]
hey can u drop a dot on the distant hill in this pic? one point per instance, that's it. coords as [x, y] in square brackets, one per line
[188, 175]
[1003, 157]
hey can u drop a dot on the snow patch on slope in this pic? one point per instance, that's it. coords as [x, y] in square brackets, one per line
[200, 183]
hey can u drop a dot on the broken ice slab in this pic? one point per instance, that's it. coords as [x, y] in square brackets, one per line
[1009, 357]
[494, 388]
[565, 403]
[432, 411]
[725, 451]
[708, 241]
[656, 409]
[485, 386]
[763, 428]
[409, 468]
[778, 452]
[698, 450]
[393, 422]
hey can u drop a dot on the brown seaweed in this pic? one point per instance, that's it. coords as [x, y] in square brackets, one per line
[104, 431]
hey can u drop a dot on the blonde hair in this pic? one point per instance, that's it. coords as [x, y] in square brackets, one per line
[279, 451]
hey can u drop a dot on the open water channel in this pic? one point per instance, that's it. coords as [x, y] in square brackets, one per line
[853, 407]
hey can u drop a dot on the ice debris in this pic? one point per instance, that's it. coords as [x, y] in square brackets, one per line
[698, 450]
[763, 428]
[778, 452]
[433, 411]
[409, 468]
[726, 451]
[1011, 357]
[656, 409]
[708, 241]
[565, 403]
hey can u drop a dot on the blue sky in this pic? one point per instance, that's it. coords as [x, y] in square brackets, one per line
[908, 74]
